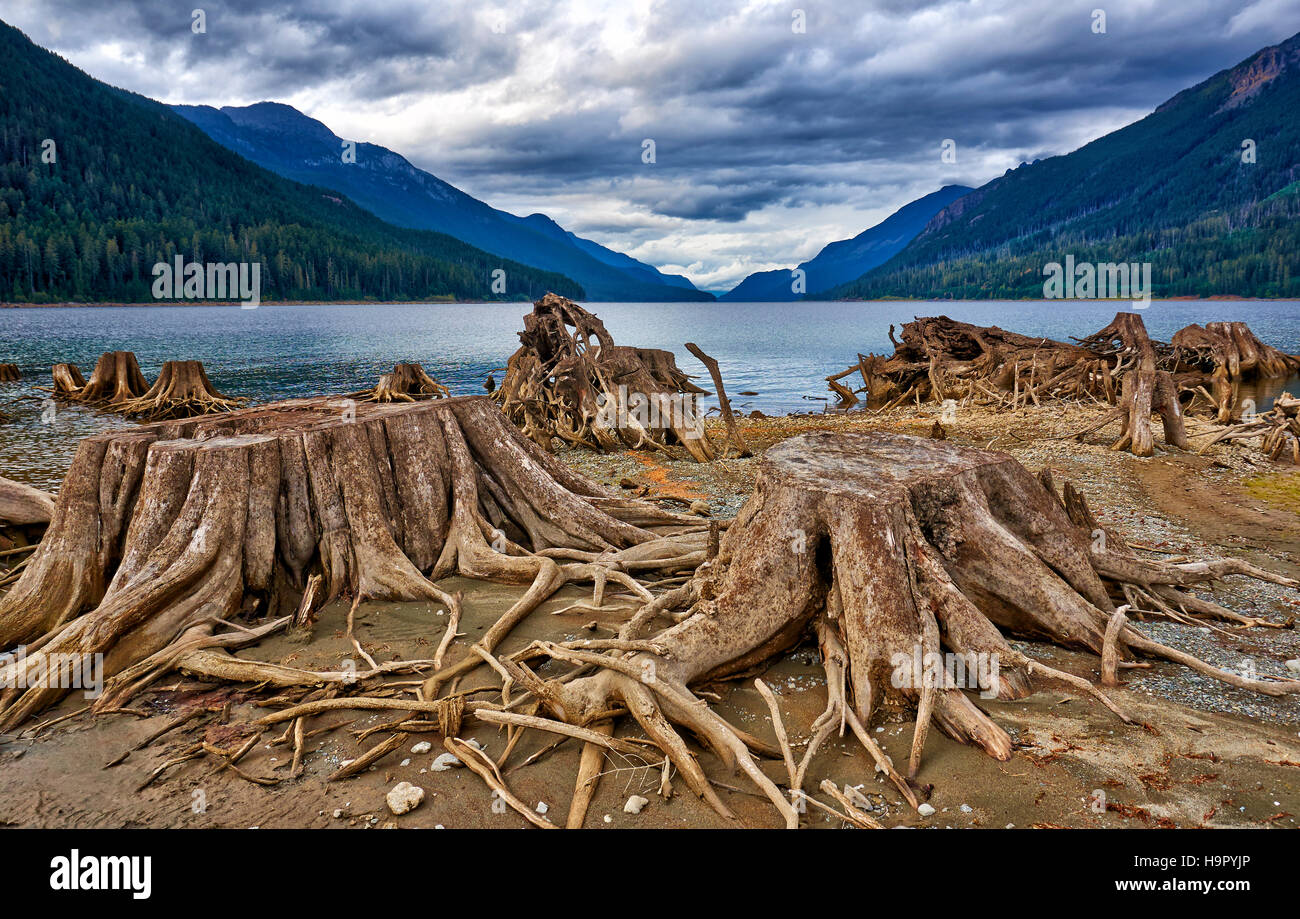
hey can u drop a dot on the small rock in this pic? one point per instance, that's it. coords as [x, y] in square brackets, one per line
[925, 810]
[609, 819]
[700, 508]
[965, 808]
[403, 798]
[634, 804]
[1293, 665]
[406, 762]
[542, 807]
[422, 747]
[444, 761]
[338, 813]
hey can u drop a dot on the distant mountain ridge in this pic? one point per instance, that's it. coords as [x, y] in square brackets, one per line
[296, 146]
[1206, 188]
[848, 259]
[131, 185]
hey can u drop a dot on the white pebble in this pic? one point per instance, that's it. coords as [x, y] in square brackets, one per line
[542, 807]
[403, 798]
[925, 810]
[443, 762]
[406, 762]
[634, 804]
[1293, 665]
[422, 747]
[965, 808]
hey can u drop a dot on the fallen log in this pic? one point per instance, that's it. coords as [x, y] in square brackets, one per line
[23, 505]
[406, 383]
[582, 388]
[902, 555]
[164, 531]
[9, 373]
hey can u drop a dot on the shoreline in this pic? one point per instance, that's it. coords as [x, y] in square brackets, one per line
[235, 304]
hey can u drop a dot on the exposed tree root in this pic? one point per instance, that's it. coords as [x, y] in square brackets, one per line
[906, 556]
[1278, 431]
[940, 358]
[160, 530]
[1229, 354]
[182, 390]
[582, 388]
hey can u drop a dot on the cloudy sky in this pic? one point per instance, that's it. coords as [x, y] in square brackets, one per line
[778, 126]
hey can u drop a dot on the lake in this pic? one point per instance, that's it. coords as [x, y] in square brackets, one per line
[781, 351]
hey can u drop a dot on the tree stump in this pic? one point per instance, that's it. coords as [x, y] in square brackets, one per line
[68, 381]
[182, 390]
[1144, 388]
[162, 529]
[116, 378]
[407, 383]
[1230, 354]
[902, 555]
[9, 373]
[582, 388]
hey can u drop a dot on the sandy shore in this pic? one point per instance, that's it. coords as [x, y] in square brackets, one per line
[1201, 755]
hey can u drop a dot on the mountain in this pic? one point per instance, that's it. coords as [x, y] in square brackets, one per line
[133, 184]
[1175, 189]
[843, 261]
[289, 143]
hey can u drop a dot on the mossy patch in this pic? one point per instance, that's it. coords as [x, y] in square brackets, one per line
[1280, 490]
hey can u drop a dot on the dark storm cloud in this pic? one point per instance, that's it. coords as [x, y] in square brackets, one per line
[769, 142]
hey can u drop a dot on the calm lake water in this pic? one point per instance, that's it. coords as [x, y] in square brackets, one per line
[781, 351]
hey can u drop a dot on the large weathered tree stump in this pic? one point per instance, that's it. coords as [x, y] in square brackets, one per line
[9, 373]
[162, 530]
[182, 390]
[406, 383]
[582, 388]
[896, 552]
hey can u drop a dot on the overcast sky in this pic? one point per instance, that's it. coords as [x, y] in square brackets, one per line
[770, 141]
